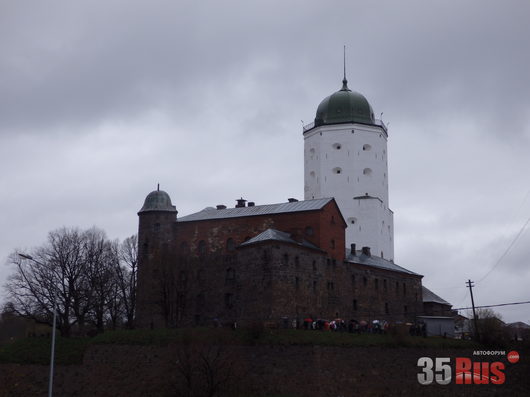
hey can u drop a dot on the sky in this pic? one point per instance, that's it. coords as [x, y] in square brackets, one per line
[102, 100]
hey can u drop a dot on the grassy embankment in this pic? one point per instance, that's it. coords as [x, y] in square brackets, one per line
[71, 350]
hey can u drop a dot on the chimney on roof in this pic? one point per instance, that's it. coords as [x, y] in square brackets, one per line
[353, 249]
[292, 200]
[240, 202]
[251, 204]
[221, 207]
[366, 251]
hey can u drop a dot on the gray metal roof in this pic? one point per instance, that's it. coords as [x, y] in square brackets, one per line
[277, 235]
[429, 296]
[297, 206]
[375, 261]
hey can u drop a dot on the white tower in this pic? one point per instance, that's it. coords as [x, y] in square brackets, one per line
[345, 157]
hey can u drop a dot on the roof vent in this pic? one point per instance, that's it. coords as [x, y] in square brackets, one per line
[240, 202]
[221, 207]
[366, 251]
[251, 204]
[292, 200]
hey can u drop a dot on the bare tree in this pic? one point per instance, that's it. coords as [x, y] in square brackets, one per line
[205, 369]
[126, 275]
[100, 260]
[53, 276]
[82, 273]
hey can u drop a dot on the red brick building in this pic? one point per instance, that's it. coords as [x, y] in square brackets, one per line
[268, 263]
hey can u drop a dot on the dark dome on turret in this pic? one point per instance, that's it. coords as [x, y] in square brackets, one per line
[344, 106]
[158, 200]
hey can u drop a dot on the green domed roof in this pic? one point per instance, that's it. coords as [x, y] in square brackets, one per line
[344, 106]
[158, 200]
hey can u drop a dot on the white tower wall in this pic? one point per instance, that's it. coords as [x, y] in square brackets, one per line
[349, 162]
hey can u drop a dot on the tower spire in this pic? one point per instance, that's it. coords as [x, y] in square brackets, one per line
[344, 80]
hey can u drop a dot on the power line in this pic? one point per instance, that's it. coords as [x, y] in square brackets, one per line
[507, 249]
[500, 304]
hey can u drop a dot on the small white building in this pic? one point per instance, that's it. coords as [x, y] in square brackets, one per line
[345, 157]
[439, 325]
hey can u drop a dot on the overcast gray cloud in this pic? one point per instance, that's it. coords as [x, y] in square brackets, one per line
[101, 100]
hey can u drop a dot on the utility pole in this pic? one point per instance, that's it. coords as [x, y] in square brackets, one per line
[471, 285]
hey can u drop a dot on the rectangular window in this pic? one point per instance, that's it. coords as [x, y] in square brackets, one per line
[355, 304]
[229, 301]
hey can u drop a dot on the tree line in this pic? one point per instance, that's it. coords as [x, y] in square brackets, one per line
[90, 279]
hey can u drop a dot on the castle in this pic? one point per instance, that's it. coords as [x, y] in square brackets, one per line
[328, 256]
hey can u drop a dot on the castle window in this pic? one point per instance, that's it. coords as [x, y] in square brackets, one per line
[314, 286]
[202, 247]
[183, 278]
[229, 301]
[309, 231]
[331, 285]
[376, 284]
[367, 147]
[230, 274]
[365, 281]
[355, 304]
[332, 219]
[230, 245]
[334, 262]
[397, 288]
[405, 309]
[386, 308]
[353, 279]
[404, 289]
[296, 261]
[314, 266]
[296, 282]
[333, 244]
[285, 259]
[384, 284]
[199, 302]
[367, 171]
[157, 227]
[184, 248]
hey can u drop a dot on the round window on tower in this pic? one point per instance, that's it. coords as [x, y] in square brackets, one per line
[367, 147]
[352, 221]
[337, 170]
[367, 171]
[337, 146]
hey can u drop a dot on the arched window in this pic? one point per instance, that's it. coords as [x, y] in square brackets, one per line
[202, 247]
[230, 274]
[230, 245]
[184, 248]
